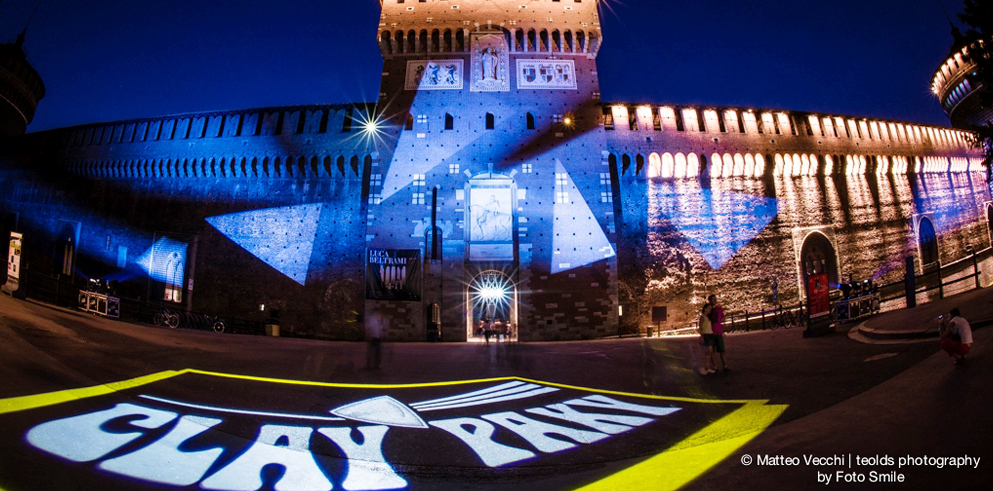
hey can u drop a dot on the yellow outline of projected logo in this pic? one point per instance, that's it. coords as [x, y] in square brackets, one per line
[671, 469]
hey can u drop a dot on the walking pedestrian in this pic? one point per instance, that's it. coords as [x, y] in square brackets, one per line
[717, 324]
[707, 339]
[956, 335]
[487, 329]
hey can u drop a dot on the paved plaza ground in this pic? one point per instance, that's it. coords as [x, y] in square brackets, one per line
[845, 395]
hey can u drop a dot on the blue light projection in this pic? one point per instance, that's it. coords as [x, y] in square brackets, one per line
[165, 261]
[717, 225]
[281, 237]
[951, 198]
[579, 239]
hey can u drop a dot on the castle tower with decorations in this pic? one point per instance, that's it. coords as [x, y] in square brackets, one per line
[494, 204]
[20, 89]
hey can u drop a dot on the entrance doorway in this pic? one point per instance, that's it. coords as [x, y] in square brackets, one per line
[492, 300]
[927, 241]
[817, 257]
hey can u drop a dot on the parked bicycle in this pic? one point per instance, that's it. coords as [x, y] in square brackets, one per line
[167, 318]
[189, 320]
[787, 318]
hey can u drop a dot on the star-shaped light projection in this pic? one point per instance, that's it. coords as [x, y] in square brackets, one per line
[718, 225]
[281, 237]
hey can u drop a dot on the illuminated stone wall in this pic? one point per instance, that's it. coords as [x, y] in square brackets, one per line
[270, 203]
[490, 122]
[739, 224]
[495, 93]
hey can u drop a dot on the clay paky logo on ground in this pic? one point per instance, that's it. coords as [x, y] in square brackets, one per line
[201, 430]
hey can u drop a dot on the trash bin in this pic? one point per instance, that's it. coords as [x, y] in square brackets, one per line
[272, 330]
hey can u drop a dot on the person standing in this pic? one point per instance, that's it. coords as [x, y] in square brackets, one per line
[717, 324]
[375, 329]
[707, 334]
[956, 336]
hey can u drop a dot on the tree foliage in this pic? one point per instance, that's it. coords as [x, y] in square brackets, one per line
[977, 15]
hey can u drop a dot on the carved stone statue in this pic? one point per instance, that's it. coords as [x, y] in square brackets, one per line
[491, 64]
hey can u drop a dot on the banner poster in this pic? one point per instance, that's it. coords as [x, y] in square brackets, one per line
[818, 295]
[393, 274]
[14, 258]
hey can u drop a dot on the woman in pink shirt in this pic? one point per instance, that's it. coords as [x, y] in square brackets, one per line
[716, 323]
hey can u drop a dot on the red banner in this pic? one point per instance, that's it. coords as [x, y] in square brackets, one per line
[818, 300]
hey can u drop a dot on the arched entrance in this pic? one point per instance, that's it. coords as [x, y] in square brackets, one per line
[817, 256]
[927, 242]
[65, 249]
[491, 297]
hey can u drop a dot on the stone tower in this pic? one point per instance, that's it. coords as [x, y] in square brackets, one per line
[20, 89]
[498, 180]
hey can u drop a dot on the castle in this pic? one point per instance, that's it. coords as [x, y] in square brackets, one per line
[488, 182]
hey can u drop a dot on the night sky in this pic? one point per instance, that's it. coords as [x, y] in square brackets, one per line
[109, 60]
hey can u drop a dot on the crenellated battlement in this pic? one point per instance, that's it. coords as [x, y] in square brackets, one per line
[775, 123]
[266, 121]
[423, 27]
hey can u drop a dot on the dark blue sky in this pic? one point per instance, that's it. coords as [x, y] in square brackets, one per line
[107, 60]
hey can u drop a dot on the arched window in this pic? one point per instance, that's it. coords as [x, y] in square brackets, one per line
[449, 122]
[640, 164]
[804, 165]
[780, 166]
[625, 163]
[728, 169]
[759, 165]
[716, 165]
[679, 166]
[489, 121]
[739, 165]
[749, 169]
[828, 165]
[655, 166]
[530, 118]
[385, 42]
[692, 164]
